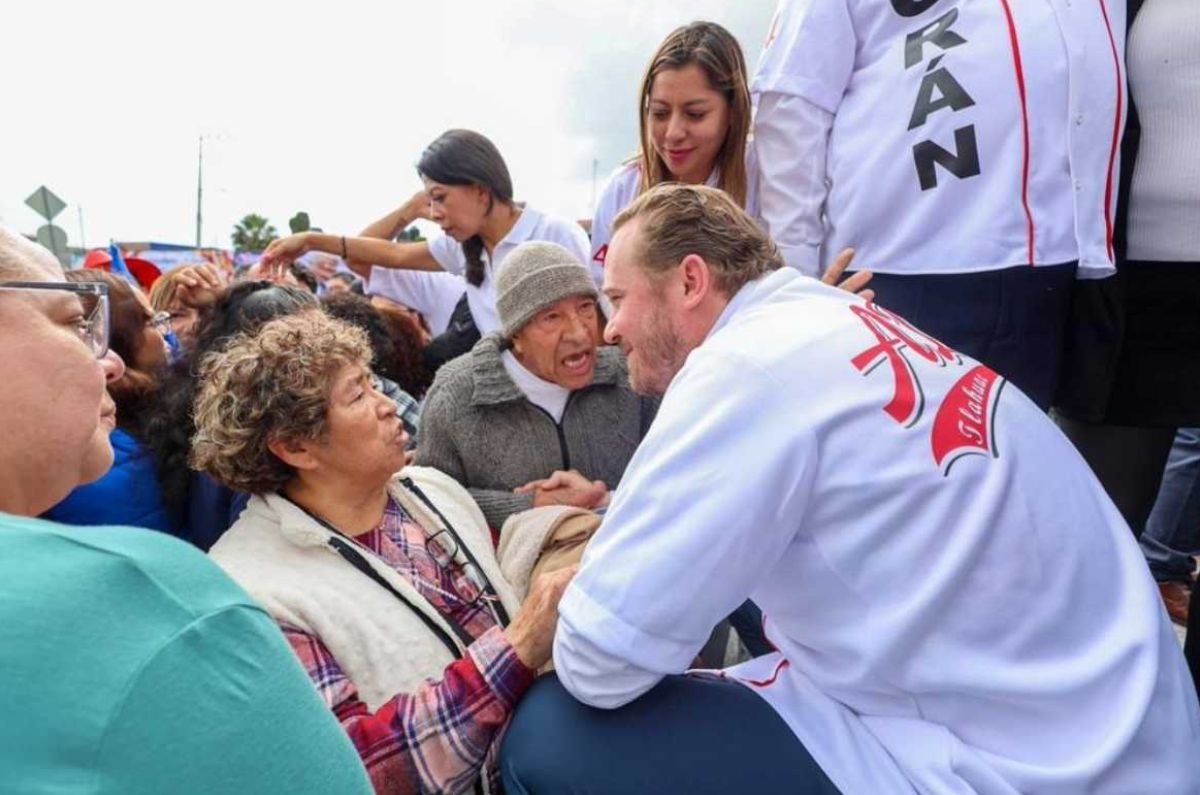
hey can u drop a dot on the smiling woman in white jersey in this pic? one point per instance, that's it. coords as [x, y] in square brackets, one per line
[694, 116]
[468, 193]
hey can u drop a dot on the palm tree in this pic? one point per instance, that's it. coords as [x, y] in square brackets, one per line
[254, 233]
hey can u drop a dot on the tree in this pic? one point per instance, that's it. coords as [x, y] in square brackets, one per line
[299, 223]
[253, 233]
[412, 235]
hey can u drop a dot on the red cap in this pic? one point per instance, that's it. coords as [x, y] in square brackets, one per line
[145, 271]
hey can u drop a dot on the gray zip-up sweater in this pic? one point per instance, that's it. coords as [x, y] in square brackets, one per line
[478, 427]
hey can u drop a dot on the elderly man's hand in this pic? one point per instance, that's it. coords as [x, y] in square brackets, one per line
[566, 488]
[531, 632]
[855, 283]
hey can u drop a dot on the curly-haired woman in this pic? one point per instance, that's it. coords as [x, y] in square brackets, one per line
[384, 581]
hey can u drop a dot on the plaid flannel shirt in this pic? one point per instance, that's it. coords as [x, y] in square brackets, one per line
[440, 737]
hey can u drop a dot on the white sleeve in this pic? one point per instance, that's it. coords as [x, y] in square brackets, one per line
[431, 293]
[449, 254]
[711, 499]
[810, 52]
[791, 139]
[610, 203]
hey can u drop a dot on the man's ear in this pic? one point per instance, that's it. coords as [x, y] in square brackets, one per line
[696, 278]
[296, 454]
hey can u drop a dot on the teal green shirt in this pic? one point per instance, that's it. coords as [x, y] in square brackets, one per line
[129, 663]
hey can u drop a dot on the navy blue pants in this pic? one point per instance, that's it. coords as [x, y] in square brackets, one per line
[1013, 319]
[686, 735]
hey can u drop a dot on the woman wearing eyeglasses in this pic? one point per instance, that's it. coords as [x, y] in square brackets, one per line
[383, 579]
[130, 493]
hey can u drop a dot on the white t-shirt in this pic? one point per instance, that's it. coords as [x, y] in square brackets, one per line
[546, 395]
[966, 136]
[432, 293]
[958, 606]
[619, 192]
[531, 225]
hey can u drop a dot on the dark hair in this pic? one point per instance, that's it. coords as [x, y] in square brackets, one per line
[464, 157]
[242, 307]
[134, 391]
[304, 276]
[394, 337]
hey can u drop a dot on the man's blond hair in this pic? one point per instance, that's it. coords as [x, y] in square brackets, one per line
[678, 220]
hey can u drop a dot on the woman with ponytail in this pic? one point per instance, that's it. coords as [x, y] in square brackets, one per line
[468, 193]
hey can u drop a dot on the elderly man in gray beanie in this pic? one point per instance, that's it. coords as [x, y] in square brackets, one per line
[537, 413]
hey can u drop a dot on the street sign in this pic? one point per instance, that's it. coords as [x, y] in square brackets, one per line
[52, 237]
[45, 203]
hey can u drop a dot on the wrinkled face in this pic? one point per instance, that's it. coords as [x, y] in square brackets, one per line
[687, 122]
[459, 210]
[559, 343]
[643, 322]
[364, 437]
[55, 413]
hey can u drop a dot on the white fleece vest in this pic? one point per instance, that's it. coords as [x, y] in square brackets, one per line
[281, 556]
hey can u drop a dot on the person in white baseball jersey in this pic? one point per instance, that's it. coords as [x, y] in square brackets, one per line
[694, 116]
[955, 145]
[957, 606]
[469, 194]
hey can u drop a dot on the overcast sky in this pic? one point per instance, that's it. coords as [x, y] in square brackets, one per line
[322, 107]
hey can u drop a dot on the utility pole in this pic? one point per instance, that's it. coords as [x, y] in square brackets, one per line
[200, 191]
[82, 239]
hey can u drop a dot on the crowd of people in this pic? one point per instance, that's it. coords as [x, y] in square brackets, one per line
[818, 464]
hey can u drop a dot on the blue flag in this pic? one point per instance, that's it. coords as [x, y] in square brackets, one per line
[118, 263]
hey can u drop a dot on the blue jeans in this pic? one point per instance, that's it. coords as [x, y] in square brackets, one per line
[1172, 533]
[687, 735]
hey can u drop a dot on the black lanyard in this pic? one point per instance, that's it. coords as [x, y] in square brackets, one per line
[489, 592]
[341, 544]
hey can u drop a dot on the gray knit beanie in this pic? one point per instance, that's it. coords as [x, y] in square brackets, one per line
[534, 276]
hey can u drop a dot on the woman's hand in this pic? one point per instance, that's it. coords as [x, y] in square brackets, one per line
[195, 286]
[416, 208]
[855, 283]
[531, 632]
[284, 252]
[566, 488]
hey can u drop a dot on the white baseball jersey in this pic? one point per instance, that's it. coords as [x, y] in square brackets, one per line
[957, 606]
[968, 135]
[531, 225]
[620, 191]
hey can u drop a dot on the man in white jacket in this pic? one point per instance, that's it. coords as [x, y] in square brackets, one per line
[957, 606]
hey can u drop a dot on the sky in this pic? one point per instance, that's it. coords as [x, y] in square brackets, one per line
[321, 107]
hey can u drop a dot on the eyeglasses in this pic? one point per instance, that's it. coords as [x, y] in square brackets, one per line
[161, 322]
[443, 548]
[93, 330]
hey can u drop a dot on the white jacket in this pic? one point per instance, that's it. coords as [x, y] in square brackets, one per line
[958, 606]
[281, 556]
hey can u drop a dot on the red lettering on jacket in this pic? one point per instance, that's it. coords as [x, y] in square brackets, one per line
[895, 336]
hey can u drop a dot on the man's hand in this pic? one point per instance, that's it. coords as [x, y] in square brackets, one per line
[531, 632]
[195, 286]
[566, 488]
[855, 283]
